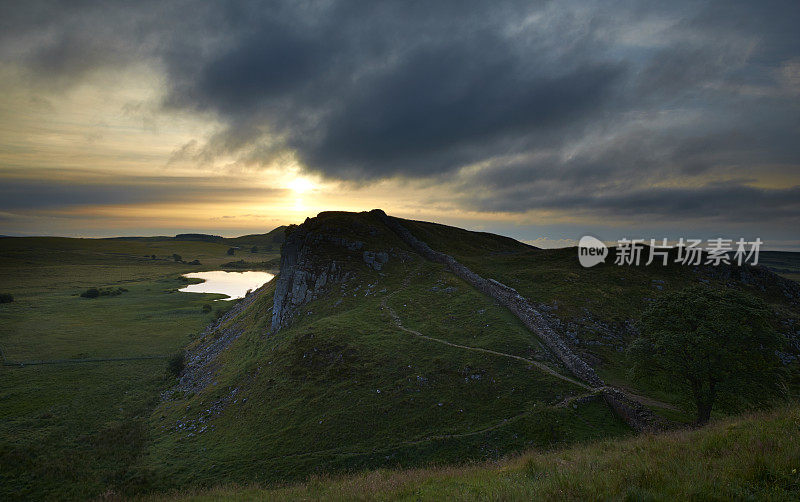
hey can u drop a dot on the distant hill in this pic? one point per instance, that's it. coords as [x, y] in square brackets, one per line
[199, 237]
[784, 263]
[271, 241]
[209, 250]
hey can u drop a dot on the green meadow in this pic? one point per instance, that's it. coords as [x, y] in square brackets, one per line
[70, 429]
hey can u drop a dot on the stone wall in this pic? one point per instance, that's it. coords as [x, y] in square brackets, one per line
[632, 412]
[636, 415]
[506, 296]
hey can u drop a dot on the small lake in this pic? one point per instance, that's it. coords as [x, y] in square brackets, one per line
[233, 284]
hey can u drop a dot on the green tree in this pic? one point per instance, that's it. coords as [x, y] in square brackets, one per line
[231, 251]
[708, 341]
[177, 257]
[176, 364]
[91, 293]
[254, 249]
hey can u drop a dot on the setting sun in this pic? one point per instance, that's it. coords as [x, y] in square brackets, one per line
[301, 185]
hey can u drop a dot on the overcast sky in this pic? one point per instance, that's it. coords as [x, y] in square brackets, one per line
[539, 120]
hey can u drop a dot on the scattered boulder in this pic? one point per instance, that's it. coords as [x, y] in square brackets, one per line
[374, 260]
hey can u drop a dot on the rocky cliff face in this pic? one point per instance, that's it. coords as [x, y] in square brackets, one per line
[315, 256]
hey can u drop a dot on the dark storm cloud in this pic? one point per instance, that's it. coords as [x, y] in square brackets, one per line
[433, 129]
[726, 202]
[593, 102]
[391, 89]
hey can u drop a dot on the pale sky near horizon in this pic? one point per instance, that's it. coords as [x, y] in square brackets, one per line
[540, 120]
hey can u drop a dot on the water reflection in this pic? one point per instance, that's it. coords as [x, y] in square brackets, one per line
[233, 284]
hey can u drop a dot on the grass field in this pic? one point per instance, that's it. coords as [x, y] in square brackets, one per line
[68, 430]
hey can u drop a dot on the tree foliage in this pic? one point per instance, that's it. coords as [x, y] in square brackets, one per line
[91, 293]
[709, 342]
[176, 364]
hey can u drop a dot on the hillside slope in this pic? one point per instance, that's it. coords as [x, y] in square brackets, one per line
[341, 386]
[370, 350]
[595, 310]
[754, 457]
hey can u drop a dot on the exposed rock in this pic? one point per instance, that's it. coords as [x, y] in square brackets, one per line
[201, 359]
[376, 260]
[303, 275]
[315, 256]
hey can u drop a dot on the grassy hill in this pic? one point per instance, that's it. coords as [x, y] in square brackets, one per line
[596, 309]
[408, 364]
[343, 388]
[753, 457]
[363, 354]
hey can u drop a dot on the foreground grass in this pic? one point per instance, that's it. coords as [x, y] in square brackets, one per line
[755, 456]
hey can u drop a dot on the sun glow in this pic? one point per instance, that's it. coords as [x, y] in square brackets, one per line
[300, 185]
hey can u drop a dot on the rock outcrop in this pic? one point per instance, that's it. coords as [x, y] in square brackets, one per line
[201, 359]
[376, 260]
[313, 257]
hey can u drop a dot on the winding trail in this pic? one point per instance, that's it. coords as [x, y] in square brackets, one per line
[527, 361]
[593, 390]
[630, 409]
[550, 371]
